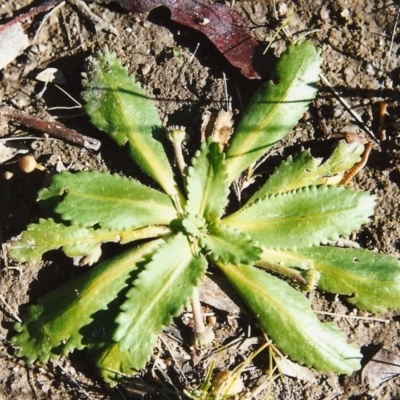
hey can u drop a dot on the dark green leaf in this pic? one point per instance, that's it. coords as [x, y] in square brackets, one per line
[159, 293]
[286, 316]
[372, 280]
[227, 244]
[75, 241]
[276, 107]
[110, 201]
[305, 217]
[207, 183]
[53, 327]
[304, 170]
[117, 104]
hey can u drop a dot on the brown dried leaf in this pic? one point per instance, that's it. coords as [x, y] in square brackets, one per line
[218, 125]
[383, 366]
[222, 25]
[225, 298]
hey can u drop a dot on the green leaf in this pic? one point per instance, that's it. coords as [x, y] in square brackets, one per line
[372, 280]
[227, 244]
[305, 217]
[207, 183]
[304, 170]
[110, 201]
[53, 327]
[276, 107]
[286, 316]
[159, 293]
[117, 105]
[285, 258]
[75, 241]
[115, 365]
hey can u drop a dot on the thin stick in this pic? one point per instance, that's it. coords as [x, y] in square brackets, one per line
[275, 11]
[385, 321]
[10, 139]
[382, 113]
[46, 17]
[164, 342]
[14, 315]
[227, 97]
[80, 388]
[353, 113]
[181, 342]
[31, 13]
[348, 176]
[194, 53]
[392, 38]
[99, 23]
[51, 128]
[78, 105]
[29, 372]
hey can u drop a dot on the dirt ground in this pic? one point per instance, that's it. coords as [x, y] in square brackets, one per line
[360, 42]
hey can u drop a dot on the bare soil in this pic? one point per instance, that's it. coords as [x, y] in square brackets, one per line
[360, 44]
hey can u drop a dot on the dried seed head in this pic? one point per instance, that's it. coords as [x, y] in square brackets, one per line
[28, 164]
[204, 338]
[176, 134]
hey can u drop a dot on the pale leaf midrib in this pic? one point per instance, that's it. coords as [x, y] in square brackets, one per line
[155, 300]
[131, 203]
[156, 169]
[282, 310]
[112, 272]
[255, 134]
[345, 276]
[279, 220]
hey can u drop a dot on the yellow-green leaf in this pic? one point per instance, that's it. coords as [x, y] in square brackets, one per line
[276, 107]
[370, 280]
[92, 198]
[117, 105]
[304, 217]
[286, 316]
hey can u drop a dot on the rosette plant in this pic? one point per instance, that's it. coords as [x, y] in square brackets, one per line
[117, 308]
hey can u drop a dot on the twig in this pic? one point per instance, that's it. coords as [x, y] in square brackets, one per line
[46, 17]
[382, 113]
[31, 13]
[29, 371]
[99, 23]
[78, 105]
[385, 321]
[80, 388]
[192, 56]
[353, 113]
[392, 38]
[51, 128]
[13, 314]
[348, 176]
[164, 342]
[227, 97]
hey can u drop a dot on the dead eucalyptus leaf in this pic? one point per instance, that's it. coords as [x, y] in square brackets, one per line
[223, 26]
